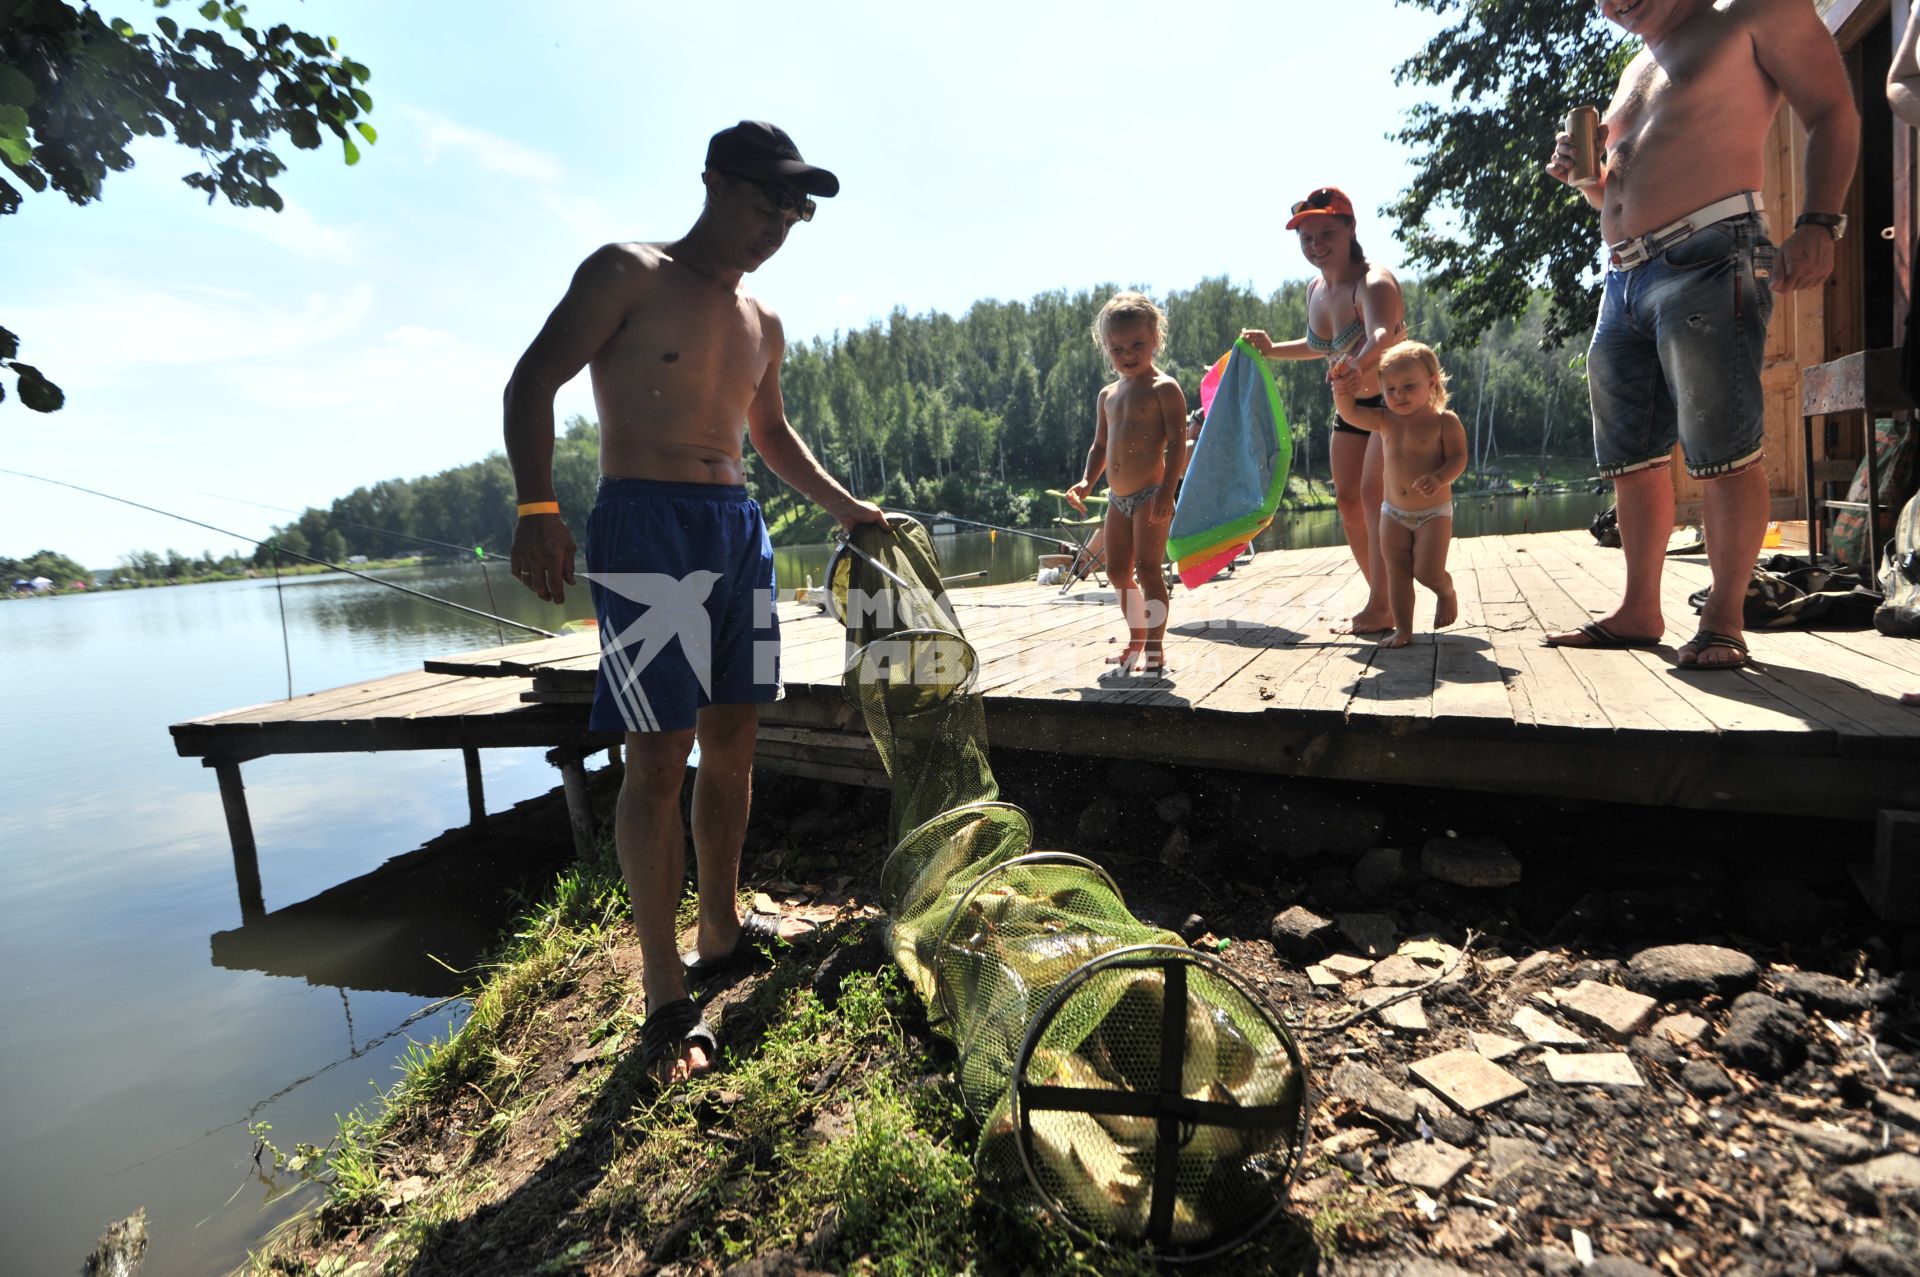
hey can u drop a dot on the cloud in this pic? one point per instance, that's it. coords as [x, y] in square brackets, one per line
[490, 151]
[110, 324]
[293, 229]
[406, 372]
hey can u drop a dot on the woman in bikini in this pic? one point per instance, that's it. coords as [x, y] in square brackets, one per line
[1354, 312]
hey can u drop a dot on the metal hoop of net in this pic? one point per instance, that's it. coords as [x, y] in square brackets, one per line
[1157, 1099]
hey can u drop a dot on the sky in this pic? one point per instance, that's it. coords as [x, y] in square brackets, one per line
[214, 357]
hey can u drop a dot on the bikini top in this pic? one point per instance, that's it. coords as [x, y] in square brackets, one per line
[1347, 337]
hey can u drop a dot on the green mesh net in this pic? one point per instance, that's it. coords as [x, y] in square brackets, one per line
[1133, 1088]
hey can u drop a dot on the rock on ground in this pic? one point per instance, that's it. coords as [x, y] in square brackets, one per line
[1675, 972]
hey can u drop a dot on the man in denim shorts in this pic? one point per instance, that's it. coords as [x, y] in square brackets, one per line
[677, 553]
[1681, 336]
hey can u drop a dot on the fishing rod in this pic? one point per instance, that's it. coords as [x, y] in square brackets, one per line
[479, 551]
[281, 549]
[975, 523]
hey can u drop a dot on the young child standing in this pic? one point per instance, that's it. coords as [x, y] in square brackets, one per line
[1139, 441]
[1426, 450]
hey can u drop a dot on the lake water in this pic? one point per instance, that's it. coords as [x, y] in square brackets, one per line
[130, 1063]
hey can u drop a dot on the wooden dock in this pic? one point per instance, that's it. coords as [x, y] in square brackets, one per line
[1258, 684]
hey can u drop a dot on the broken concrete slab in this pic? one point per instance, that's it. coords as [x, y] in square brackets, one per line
[1535, 964]
[1899, 1109]
[1544, 1029]
[1498, 966]
[1682, 1030]
[1467, 1080]
[1402, 970]
[1321, 978]
[1374, 1094]
[1431, 1166]
[1599, 1068]
[1347, 964]
[1620, 1012]
[1495, 1047]
[1408, 1015]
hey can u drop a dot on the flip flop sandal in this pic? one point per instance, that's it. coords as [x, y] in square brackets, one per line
[755, 929]
[670, 1029]
[1599, 636]
[1706, 639]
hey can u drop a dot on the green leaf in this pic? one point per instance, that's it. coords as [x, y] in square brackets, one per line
[233, 19]
[9, 344]
[168, 28]
[367, 131]
[361, 97]
[210, 10]
[353, 152]
[18, 89]
[36, 392]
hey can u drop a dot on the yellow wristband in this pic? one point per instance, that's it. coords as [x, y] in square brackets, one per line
[539, 507]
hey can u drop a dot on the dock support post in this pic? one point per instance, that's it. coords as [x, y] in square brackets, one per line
[476, 791]
[246, 860]
[573, 777]
[1894, 883]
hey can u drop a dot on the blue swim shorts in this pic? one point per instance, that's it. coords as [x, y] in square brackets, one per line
[1677, 352]
[682, 581]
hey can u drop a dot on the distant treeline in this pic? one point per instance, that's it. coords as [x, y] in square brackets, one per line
[977, 414]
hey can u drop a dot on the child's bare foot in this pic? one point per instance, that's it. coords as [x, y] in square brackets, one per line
[1150, 662]
[1448, 611]
[1399, 638]
[1365, 623]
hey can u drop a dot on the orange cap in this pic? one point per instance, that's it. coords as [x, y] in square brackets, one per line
[1325, 200]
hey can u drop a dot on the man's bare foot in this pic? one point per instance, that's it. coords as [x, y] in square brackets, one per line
[1399, 638]
[1610, 632]
[1365, 623]
[690, 1063]
[1448, 610]
[1125, 657]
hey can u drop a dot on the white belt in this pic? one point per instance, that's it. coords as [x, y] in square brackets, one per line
[1641, 249]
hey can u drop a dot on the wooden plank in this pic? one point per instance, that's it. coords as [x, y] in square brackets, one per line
[1468, 681]
[1635, 688]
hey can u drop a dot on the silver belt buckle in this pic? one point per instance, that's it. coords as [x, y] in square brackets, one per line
[1629, 253]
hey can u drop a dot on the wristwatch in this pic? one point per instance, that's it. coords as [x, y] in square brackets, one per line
[1836, 223]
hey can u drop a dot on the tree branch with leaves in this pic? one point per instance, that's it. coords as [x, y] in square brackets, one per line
[1482, 219]
[77, 88]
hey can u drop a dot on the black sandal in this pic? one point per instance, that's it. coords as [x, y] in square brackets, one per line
[1708, 639]
[756, 928]
[670, 1030]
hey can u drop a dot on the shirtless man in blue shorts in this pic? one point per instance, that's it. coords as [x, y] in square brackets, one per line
[1691, 275]
[680, 355]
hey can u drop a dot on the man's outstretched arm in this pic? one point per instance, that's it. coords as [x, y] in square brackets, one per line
[787, 454]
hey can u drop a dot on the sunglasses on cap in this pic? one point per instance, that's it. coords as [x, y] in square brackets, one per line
[1323, 198]
[783, 199]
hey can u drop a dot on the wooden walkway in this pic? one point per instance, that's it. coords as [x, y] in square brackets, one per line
[1259, 684]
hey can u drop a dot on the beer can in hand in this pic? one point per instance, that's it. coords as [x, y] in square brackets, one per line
[1583, 126]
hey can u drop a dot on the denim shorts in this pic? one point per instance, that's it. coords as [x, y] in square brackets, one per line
[682, 582]
[1677, 352]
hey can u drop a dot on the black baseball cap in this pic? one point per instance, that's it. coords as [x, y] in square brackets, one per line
[754, 148]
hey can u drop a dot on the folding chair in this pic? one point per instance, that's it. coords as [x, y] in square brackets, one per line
[1081, 533]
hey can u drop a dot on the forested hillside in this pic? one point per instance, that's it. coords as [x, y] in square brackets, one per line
[977, 414]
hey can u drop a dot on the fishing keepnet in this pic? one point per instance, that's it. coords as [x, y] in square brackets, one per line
[1133, 1087]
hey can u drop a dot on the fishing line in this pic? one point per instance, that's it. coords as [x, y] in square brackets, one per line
[240, 536]
[975, 523]
[478, 550]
